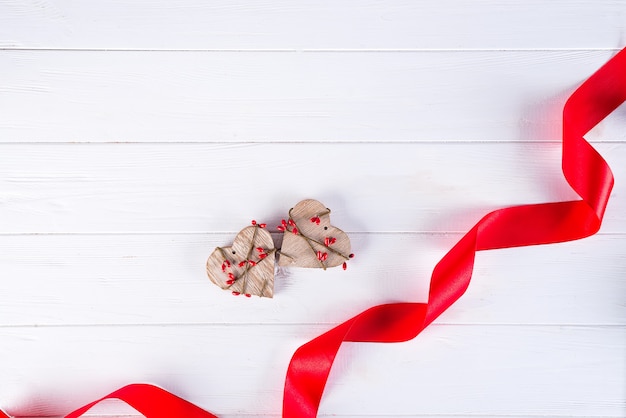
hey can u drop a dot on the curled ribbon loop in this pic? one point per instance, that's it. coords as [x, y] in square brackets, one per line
[586, 172]
[149, 400]
[152, 402]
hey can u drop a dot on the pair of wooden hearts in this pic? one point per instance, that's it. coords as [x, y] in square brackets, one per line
[309, 240]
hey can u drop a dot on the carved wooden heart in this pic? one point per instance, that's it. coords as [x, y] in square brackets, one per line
[247, 267]
[310, 240]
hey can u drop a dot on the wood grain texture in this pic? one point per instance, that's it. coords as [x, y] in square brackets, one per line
[147, 96]
[52, 280]
[491, 370]
[131, 134]
[310, 240]
[241, 269]
[282, 24]
[383, 187]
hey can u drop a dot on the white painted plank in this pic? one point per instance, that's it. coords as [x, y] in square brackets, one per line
[281, 24]
[160, 279]
[133, 223]
[450, 369]
[221, 187]
[87, 96]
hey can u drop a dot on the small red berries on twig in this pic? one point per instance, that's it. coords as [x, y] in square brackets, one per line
[322, 256]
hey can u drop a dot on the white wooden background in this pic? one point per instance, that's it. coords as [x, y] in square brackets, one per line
[137, 136]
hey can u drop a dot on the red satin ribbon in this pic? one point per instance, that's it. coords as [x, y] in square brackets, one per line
[586, 172]
[151, 401]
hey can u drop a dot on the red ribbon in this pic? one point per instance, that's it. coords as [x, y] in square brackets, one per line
[586, 172]
[151, 401]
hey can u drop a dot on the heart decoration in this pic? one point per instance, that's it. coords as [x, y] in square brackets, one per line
[246, 267]
[510, 227]
[309, 239]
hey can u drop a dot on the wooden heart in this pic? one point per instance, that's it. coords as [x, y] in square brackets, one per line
[247, 267]
[309, 240]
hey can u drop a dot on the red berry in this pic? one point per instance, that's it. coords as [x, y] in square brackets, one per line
[229, 282]
[345, 265]
[231, 276]
[327, 241]
[291, 222]
[319, 255]
[243, 263]
[236, 293]
[252, 263]
[248, 295]
[284, 222]
[253, 222]
[281, 228]
[324, 256]
[262, 225]
[295, 231]
[351, 256]
[262, 256]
